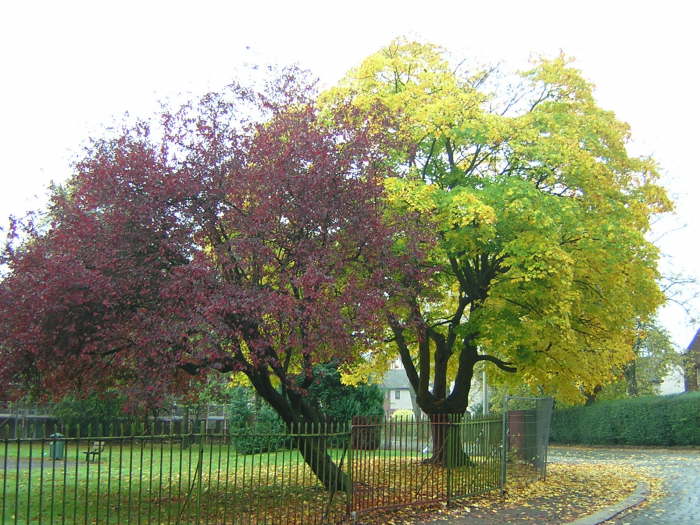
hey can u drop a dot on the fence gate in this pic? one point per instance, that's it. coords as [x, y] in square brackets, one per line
[528, 424]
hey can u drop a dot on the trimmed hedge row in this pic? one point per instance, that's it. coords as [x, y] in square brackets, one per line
[657, 420]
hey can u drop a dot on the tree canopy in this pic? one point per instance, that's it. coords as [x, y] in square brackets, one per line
[540, 214]
[245, 234]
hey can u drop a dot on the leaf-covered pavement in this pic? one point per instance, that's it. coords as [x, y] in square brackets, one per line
[569, 492]
[675, 499]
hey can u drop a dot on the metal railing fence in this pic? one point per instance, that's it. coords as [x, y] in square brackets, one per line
[31, 420]
[313, 474]
[168, 479]
[403, 462]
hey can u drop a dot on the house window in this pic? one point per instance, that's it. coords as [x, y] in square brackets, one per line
[397, 394]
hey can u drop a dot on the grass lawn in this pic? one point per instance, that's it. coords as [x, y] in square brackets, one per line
[147, 481]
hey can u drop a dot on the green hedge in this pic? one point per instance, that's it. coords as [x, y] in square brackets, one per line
[658, 420]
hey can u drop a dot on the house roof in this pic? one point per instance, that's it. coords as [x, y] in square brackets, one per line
[694, 345]
[395, 380]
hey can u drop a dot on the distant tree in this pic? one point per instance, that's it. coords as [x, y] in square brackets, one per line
[654, 358]
[245, 235]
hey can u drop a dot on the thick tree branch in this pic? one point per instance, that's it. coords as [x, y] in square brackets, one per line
[404, 351]
[503, 365]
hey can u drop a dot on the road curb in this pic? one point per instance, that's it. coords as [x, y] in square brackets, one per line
[641, 492]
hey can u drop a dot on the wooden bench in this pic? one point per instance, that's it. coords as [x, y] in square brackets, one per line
[94, 451]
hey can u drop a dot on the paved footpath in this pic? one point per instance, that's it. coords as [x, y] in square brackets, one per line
[679, 470]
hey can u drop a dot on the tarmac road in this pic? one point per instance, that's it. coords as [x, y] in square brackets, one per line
[678, 468]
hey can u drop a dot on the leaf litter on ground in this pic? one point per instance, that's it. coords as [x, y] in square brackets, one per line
[569, 491]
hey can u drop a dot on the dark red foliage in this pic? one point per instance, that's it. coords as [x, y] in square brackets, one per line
[247, 237]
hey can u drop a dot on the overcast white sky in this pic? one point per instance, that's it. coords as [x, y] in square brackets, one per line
[67, 68]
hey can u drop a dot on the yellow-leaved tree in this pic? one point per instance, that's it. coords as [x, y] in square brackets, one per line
[540, 213]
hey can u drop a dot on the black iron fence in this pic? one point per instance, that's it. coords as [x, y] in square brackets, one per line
[29, 420]
[313, 474]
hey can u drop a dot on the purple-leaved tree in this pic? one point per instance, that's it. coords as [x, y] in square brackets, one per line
[247, 234]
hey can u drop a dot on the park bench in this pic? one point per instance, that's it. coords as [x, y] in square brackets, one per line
[94, 450]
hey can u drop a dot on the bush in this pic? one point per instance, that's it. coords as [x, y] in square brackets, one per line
[403, 414]
[658, 420]
[94, 415]
[341, 402]
[255, 427]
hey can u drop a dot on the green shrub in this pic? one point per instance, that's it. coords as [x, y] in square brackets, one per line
[341, 402]
[93, 415]
[656, 420]
[403, 414]
[255, 427]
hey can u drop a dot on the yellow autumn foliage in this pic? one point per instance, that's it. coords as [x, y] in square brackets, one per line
[539, 211]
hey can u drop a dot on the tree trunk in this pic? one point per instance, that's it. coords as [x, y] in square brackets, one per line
[417, 413]
[630, 373]
[691, 367]
[448, 448]
[314, 450]
[438, 430]
[306, 422]
[592, 396]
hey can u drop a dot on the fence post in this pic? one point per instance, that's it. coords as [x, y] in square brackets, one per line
[350, 467]
[450, 452]
[504, 444]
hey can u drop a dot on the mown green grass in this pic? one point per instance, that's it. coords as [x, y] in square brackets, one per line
[142, 480]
